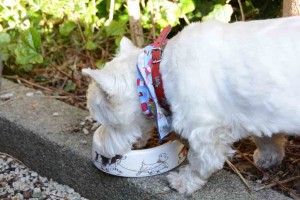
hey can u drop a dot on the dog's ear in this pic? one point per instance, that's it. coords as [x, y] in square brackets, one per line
[110, 83]
[99, 78]
[126, 45]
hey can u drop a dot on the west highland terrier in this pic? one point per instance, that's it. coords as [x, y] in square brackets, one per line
[223, 82]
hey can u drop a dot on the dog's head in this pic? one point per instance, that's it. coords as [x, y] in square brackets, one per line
[113, 101]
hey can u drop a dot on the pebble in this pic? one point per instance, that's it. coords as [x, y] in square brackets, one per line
[83, 142]
[36, 190]
[259, 181]
[55, 114]
[9, 160]
[34, 174]
[88, 125]
[39, 93]
[29, 94]
[85, 131]
[6, 96]
[89, 118]
[95, 126]
[18, 183]
[70, 190]
[82, 123]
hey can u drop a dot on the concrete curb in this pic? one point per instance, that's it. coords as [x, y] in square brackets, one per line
[30, 132]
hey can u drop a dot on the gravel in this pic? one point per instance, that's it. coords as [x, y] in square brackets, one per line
[18, 182]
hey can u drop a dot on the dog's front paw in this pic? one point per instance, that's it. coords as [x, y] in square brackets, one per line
[185, 181]
[267, 159]
[176, 182]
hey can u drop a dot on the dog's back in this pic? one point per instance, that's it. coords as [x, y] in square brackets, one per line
[246, 73]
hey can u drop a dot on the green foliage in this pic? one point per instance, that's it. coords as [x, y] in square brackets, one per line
[186, 6]
[220, 12]
[43, 33]
[31, 29]
[70, 86]
[66, 28]
[116, 28]
[27, 50]
[4, 39]
[166, 12]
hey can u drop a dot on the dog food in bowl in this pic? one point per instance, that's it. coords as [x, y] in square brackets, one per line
[142, 162]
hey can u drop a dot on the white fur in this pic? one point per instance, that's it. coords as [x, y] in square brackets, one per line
[112, 101]
[223, 81]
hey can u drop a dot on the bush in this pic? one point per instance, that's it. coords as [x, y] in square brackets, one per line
[38, 36]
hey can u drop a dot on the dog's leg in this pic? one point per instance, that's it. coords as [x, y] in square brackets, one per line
[187, 180]
[209, 148]
[270, 150]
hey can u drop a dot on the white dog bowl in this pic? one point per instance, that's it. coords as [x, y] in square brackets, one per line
[140, 163]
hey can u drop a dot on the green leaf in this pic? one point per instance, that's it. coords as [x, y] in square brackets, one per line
[116, 28]
[87, 31]
[27, 51]
[118, 40]
[31, 38]
[103, 9]
[90, 45]
[70, 86]
[187, 6]
[171, 14]
[4, 39]
[248, 3]
[5, 54]
[66, 28]
[221, 13]
[27, 67]
[100, 64]
[25, 55]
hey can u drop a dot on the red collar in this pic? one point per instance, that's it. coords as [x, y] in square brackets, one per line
[159, 44]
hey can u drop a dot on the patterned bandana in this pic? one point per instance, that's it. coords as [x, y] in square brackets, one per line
[148, 99]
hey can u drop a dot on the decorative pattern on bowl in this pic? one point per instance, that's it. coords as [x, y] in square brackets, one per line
[140, 163]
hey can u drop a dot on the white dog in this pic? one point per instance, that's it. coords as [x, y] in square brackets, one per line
[223, 82]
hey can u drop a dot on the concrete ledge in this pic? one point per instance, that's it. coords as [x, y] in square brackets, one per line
[30, 132]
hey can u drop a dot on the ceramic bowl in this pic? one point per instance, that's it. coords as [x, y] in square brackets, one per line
[140, 163]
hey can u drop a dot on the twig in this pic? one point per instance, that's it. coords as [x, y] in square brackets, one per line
[261, 171]
[1, 69]
[64, 97]
[295, 197]
[9, 100]
[186, 19]
[295, 161]
[243, 173]
[62, 72]
[293, 145]
[28, 82]
[111, 11]
[293, 154]
[15, 159]
[184, 16]
[274, 184]
[81, 33]
[242, 10]
[87, 52]
[152, 22]
[81, 54]
[238, 173]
